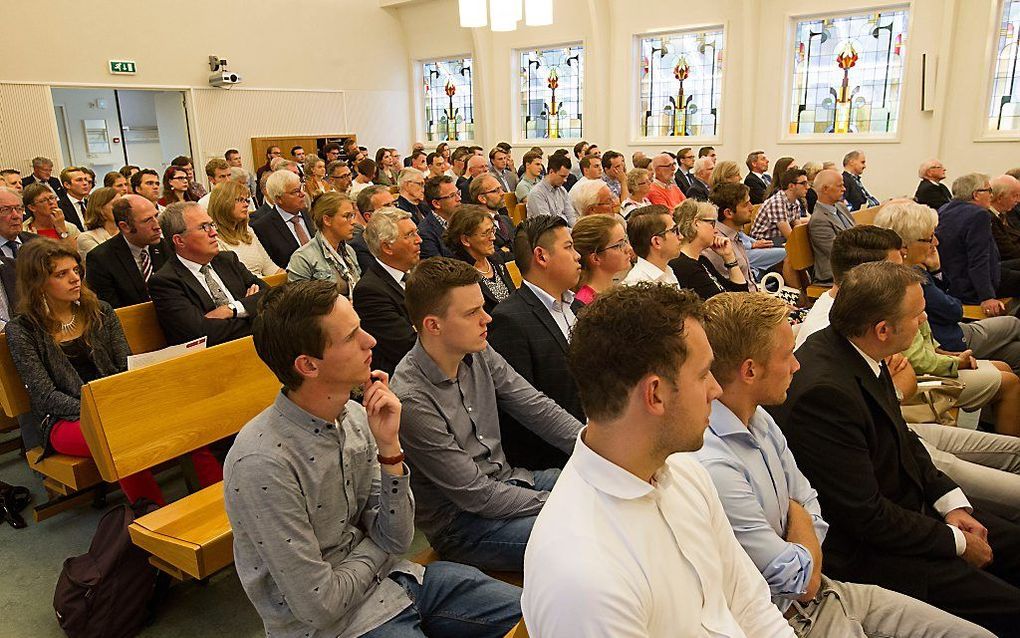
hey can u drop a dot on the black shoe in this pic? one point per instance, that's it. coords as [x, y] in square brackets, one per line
[10, 514]
[18, 496]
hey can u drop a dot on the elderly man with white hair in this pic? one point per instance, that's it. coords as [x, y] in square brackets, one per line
[592, 197]
[1005, 196]
[411, 198]
[288, 225]
[831, 217]
[699, 188]
[931, 191]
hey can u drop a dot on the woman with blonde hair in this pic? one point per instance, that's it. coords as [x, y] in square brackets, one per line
[605, 252]
[64, 337]
[696, 222]
[329, 256]
[229, 209]
[315, 176]
[639, 182]
[726, 172]
[98, 219]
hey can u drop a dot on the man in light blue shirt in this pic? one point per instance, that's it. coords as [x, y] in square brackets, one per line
[771, 506]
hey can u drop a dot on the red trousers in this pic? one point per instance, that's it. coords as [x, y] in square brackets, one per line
[66, 438]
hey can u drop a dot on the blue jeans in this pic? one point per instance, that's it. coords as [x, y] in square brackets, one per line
[453, 601]
[761, 259]
[493, 544]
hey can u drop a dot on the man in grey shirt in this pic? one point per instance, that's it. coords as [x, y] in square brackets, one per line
[317, 493]
[549, 197]
[473, 506]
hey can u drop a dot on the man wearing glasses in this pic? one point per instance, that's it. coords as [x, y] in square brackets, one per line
[412, 195]
[684, 175]
[781, 212]
[288, 227]
[340, 176]
[12, 238]
[655, 239]
[664, 190]
[201, 291]
[442, 195]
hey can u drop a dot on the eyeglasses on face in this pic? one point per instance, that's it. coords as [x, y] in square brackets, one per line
[675, 230]
[49, 199]
[620, 245]
[7, 210]
[206, 228]
[453, 194]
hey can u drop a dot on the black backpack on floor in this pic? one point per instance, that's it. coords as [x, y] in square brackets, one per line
[110, 591]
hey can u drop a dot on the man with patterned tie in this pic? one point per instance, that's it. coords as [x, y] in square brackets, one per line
[118, 270]
[857, 196]
[287, 227]
[830, 217]
[200, 291]
[12, 213]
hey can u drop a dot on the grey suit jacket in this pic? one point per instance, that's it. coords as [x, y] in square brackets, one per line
[822, 229]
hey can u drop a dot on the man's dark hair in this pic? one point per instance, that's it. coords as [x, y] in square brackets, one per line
[122, 212]
[269, 152]
[505, 147]
[366, 167]
[414, 155]
[579, 147]
[432, 185]
[474, 188]
[494, 150]
[727, 196]
[136, 179]
[332, 146]
[296, 148]
[587, 161]
[229, 152]
[289, 324]
[608, 157]
[460, 153]
[126, 170]
[181, 161]
[556, 162]
[431, 156]
[869, 294]
[683, 151]
[534, 231]
[530, 157]
[428, 285]
[365, 196]
[643, 224]
[705, 151]
[790, 176]
[475, 149]
[859, 245]
[641, 330]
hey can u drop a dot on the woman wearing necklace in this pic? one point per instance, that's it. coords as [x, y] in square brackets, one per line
[63, 337]
[44, 216]
[471, 236]
[696, 222]
[328, 255]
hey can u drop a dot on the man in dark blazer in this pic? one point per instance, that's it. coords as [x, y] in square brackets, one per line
[379, 295]
[531, 329]
[931, 191]
[12, 216]
[895, 520]
[42, 172]
[441, 193]
[699, 190]
[74, 199]
[201, 291]
[118, 269]
[757, 180]
[412, 194]
[857, 197]
[288, 226]
[685, 169]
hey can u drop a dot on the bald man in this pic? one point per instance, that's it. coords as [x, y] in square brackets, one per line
[831, 217]
[118, 269]
[476, 165]
[664, 190]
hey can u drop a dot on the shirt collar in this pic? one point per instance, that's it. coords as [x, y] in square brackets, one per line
[608, 477]
[285, 215]
[723, 422]
[648, 267]
[726, 230]
[135, 250]
[396, 274]
[299, 416]
[548, 300]
[429, 367]
[665, 185]
[194, 267]
[875, 366]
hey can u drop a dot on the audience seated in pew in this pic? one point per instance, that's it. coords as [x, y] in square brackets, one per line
[472, 505]
[470, 237]
[329, 256]
[830, 217]
[771, 506]
[605, 253]
[931, 191]
[73, 197]
[895, 520]
[857, 197]
[12, 216]
[758, 181]
[412, 195]
[145, 182]
[63, 337]
[369, 200]
[378, 298]
[531, 330]
[318, 494]
[697, 223]
[99, 222]
[783, 210]
[549, 197]
[45, 215]
[633, 540]
[288, 226]
[486, 191]
[655, 238]
[754, 256]
[1005, 197]
[444, 198]
[119, 269]
[228, 208]
[986, 466]
[200, 291]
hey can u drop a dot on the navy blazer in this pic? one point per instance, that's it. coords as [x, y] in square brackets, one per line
[72, 215]
[523, 331]
[52, 182]
[276, 236]
[418, 212]
[970, 258]
[854, 196]
[757, 186]
[431, 233]
[698, 191]
[931, 194]
[379, 302]
[111, 272]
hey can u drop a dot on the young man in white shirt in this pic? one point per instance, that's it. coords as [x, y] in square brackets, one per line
[655, 238]
[633, 540]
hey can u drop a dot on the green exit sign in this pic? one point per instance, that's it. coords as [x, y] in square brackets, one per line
[122, 67]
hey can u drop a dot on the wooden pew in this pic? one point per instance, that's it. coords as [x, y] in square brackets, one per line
[130, 428]
[278, 279]
[515, 273]
[975, 313]
[518, 214]
[866, 216]
[510, 201]
[800, 257]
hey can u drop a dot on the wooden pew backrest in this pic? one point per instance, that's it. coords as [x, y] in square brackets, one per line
[278, 279]
[135, 420]
[13, 396]
[141, 328]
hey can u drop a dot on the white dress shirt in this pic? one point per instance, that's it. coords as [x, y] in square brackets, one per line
[614, 556]
[397, 275]
[196, 270]
[559, 309]
[645, 270]
[293, 231]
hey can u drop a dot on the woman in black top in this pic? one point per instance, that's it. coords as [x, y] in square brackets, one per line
[696, 221]
[471, 236]
[64, 337]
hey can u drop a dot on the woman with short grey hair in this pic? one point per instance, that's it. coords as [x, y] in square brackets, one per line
[696, 222]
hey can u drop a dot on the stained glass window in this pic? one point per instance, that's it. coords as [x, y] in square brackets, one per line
[1004, 114]
[551, 90]
[681, 84]
[848, 74]
[449, 100]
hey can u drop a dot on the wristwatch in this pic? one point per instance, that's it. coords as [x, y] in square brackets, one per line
[64, 235]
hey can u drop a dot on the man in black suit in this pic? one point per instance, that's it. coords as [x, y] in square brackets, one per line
[895, 520]
[757, 179]
[370, 199]
[531, 329]
[42, 172]
[289, 226]
[685, 170]
[201, 291]
[11, 239]
[931, 191]
[857, 197]
[476, 166]
[487, 191]
[443, 196]
[75, 197]
[118, 270]
[379, 295]
[699, 190]
[412, 194]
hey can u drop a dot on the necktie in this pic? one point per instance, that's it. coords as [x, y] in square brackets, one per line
[871, 200]
[218, 296]
[299, 228]
[847, 223]
[81, 207]
[766, 178]
[12, 247]
[145, 265]
[403, 280]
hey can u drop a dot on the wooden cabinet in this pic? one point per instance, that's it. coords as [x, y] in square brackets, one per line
[311, 144]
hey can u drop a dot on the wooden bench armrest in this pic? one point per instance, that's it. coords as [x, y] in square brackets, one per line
[975, 313]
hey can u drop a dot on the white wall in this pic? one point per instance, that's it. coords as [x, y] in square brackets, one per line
[961, 33]
[91, 104]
